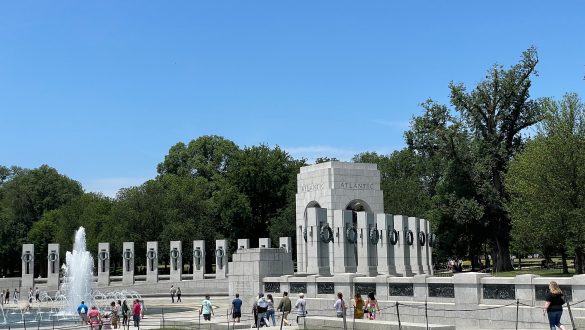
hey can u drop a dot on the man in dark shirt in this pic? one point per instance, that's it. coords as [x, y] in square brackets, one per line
[285, 306]
[237, 308]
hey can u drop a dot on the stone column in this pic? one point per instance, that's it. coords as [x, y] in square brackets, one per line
[103, 258]
[414, 249]
[152, 262]
[128, 259]
[53, 266]
[524, 286]
[301, 247]
[264, 243]
[221, 258]
[429, 249]
[386, 260]
[28, 266]
[317, 251]
[285, 243]
[467, 288]
[402, 249]
[424, 244]
[368, 238]
[344, 251]
[176, 261]
[243, 243]
[198, 260]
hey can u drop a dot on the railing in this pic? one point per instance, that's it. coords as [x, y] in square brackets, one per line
[225, 321]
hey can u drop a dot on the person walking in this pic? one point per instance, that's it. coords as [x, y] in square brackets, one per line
[94, 318]
[206, 309]
[30, 295]
[270, 309]
[82, 311]
[285, 306]
[136, 311]
[125, 311]
[15, 296]
[262, 308]
[339, 305]
[37, 294]
[301, 307]
[237, 308]
[553, 305]
[372, 306]
[358, 307]
[114, 315]
[172, 291]
[7, 297]
[178, 294]
[2, 297]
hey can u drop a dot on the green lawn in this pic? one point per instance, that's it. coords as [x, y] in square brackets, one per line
[535, 271]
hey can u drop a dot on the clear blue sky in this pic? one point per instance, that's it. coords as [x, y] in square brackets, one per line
[101, 90]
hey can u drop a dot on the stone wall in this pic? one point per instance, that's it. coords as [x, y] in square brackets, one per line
[467, 300]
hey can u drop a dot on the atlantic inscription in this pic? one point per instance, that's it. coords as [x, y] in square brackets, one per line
[338, 185]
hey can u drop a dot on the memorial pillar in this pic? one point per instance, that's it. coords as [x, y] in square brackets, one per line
[302, 240]
[368, 238]
[28, 266]
[429, 247]
[317, 249]
[176, 261]
[152, 262]
[198, 260]
[243, 243]
[53, 266]
[424, 243]
[388, 240]
[402, 247]
[264, 243]
[221, 258]
[128, 259]
[415, 248]
[285, 243]
[344, 248]
[103, 264]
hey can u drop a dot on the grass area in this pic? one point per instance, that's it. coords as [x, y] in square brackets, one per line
[535, 271]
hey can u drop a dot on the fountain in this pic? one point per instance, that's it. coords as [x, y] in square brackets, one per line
[76, 287]
[78, 275]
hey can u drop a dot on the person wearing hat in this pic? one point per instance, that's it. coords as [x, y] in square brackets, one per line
[301, 307]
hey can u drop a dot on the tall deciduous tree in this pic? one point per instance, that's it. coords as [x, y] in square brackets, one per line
[24, 196]
[547, 182]
[476, 146]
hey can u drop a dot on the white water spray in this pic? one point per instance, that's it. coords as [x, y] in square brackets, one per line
[78, 274]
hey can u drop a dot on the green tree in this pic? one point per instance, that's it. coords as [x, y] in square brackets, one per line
[402, 182]
[547, 183]
[206, 156]
[267, 177]
[475, 148]
[24, 196]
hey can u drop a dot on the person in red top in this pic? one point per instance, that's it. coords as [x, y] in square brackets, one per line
[136, 313]
[94, 318]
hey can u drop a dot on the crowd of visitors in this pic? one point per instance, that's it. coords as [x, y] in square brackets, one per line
[109, 319]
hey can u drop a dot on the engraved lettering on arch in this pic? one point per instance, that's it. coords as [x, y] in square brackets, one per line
[356, 186]
[312, 187]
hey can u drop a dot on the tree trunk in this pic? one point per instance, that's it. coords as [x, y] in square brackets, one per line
[520, 262]
[579, 260]
[502, 253]
[564, 260]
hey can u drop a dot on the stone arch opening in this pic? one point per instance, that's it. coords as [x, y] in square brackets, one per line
[355, 206]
